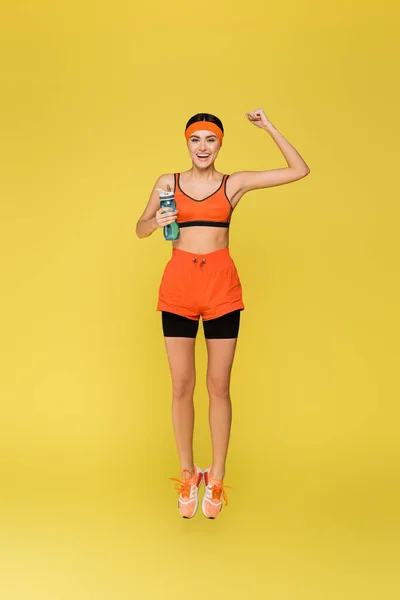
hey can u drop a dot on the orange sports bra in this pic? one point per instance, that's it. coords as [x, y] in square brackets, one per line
[214, 210]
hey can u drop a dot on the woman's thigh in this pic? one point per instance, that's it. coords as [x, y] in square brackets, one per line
[221, 353]
[181, 358]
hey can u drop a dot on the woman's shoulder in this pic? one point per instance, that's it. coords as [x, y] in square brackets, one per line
[165, 179]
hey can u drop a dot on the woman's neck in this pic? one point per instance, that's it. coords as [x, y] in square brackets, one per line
[202, 174]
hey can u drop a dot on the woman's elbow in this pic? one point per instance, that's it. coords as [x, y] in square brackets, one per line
[138, 231]
[304, 172]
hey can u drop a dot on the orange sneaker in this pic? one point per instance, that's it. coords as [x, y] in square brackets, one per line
[213, 496]
[188, 490]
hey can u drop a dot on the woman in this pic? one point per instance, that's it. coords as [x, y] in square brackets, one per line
[201, 280]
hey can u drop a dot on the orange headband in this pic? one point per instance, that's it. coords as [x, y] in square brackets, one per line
[199, 125]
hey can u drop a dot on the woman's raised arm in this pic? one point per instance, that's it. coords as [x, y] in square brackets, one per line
[245, 181]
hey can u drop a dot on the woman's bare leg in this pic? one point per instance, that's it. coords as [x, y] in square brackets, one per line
[221, 353]
[181, 357]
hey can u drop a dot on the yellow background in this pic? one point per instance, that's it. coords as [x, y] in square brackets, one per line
[95, 96]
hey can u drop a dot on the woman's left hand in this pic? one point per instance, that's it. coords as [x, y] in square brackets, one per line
[259, 118]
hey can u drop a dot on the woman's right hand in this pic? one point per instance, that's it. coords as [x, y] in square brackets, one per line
[165, 216]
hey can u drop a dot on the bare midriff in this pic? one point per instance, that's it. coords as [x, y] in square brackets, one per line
[202, 240]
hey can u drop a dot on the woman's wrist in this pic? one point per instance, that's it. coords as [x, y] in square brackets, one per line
[269, 128]
[153, 225]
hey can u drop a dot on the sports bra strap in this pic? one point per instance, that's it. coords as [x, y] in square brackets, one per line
[176, 175]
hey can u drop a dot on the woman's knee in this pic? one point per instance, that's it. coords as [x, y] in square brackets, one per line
[183, 388]
[218, 387]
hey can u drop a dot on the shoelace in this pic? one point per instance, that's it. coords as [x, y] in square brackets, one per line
[218, 489]
[183, 486]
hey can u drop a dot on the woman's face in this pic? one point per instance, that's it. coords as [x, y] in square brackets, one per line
[203, 148]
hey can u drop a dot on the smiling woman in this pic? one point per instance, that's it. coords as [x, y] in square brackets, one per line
[201, 280]
[204, 134]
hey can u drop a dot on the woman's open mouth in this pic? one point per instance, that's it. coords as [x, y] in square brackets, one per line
[203, 156]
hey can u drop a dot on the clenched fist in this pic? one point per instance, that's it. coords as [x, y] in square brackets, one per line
[259, 118]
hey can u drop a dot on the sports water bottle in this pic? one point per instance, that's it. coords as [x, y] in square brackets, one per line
[167, 200]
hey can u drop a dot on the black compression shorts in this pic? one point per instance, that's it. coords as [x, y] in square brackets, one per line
[225, 327]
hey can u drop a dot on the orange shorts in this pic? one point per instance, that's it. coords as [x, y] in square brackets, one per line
[200, 284]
